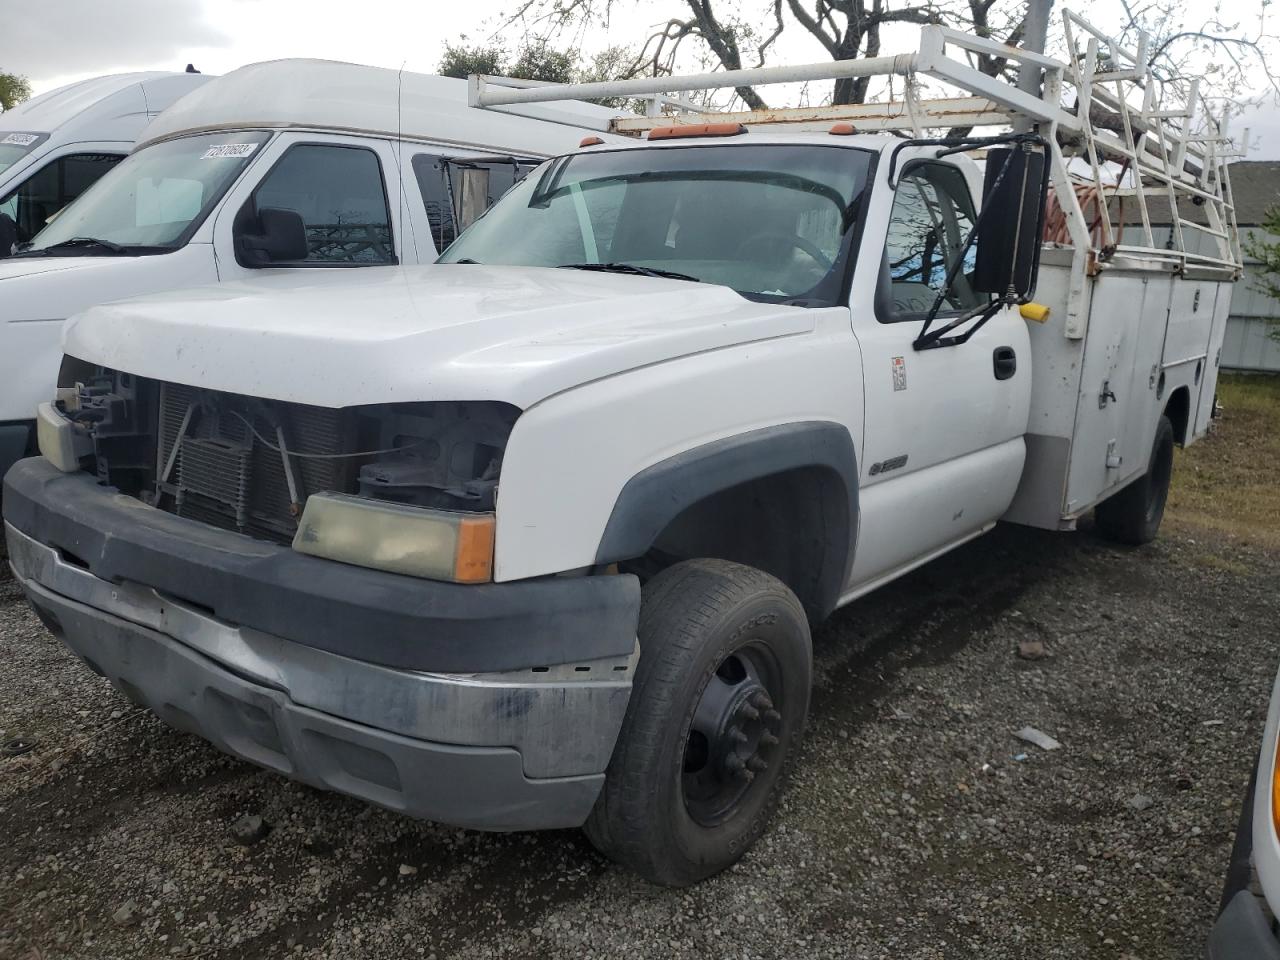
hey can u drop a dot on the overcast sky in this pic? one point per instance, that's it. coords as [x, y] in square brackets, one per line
[55, 41]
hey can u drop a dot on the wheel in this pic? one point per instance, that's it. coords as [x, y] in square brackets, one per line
[1133, 515]
[718, 703]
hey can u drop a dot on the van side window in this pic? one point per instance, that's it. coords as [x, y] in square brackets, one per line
[43, 194]
[455, 192]
[339, 193]
[932, 215]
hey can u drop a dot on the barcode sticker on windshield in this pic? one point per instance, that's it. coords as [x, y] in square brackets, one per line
[224, 150]
[21, 139]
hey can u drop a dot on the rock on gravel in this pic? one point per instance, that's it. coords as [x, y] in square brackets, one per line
[249, 829]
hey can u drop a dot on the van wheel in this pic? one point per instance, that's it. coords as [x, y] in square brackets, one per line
[1133, 515]
[718, 704]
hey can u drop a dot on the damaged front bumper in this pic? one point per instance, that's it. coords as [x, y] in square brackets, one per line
[520, 747]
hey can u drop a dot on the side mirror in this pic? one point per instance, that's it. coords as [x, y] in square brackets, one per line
[1013, 196]
[283, 238]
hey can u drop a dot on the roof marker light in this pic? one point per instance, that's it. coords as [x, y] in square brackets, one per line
[843, 129]
[590, 142]
[697, 130]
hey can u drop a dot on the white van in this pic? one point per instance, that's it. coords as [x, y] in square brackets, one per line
[54, 146]
[278, 166]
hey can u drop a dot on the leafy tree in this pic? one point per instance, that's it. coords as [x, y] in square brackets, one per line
[1264, 247]
[540, 61]
[13, 90]
[462, 61]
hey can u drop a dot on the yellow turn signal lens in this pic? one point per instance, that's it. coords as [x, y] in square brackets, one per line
[417, 541]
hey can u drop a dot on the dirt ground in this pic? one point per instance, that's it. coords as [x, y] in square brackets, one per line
[916, 825]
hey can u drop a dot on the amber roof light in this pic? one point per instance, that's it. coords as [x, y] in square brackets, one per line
[697, 130]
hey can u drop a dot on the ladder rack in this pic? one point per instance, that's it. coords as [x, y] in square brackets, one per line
[1104, 109]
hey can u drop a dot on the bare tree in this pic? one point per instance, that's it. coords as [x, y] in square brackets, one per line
[1233, 57]
[731, 39]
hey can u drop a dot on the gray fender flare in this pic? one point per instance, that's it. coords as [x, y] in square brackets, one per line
[658, 494]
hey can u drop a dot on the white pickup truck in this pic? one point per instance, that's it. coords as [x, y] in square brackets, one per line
[533, 537]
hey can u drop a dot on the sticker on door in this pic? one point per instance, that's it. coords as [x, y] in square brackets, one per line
[899, 365]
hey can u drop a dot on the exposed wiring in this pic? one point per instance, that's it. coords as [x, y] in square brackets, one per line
[318, 456]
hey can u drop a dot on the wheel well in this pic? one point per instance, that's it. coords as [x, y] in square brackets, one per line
[795, 525]
[1178, 410]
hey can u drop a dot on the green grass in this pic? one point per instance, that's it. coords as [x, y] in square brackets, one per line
[1229, 482]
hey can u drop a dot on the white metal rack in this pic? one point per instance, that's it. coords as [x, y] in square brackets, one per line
[1105, 104]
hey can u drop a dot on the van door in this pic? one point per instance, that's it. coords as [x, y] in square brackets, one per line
[46, 191]
[943, 441]
[343, 188]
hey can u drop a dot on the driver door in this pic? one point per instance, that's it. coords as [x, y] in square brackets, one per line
[943, 439]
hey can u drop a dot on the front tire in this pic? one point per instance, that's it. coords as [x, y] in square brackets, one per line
[1133, 515]
[719, 702]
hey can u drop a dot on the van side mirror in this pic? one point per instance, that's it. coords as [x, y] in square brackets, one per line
[1013, 196]
[282, 238]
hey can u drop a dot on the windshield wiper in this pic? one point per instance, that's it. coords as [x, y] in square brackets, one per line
[92, 245]
[89, 242]
[75, 243]
[630, 268]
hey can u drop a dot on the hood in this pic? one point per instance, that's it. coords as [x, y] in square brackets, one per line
[14, 267]
[54, 288]
[338, 338]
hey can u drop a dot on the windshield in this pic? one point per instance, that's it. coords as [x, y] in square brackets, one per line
[15, 146]
[771, 221]
[156, 197]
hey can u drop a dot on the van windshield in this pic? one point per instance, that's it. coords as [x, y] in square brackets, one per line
[14, 146]
[153, 200]
[772, 221]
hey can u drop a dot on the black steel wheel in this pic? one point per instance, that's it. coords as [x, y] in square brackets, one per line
[718, 703]
[733, 735]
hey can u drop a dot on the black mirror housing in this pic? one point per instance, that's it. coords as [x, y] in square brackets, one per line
[282, 238]
[1013, 196]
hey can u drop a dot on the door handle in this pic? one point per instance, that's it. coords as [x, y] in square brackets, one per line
[1004, 362]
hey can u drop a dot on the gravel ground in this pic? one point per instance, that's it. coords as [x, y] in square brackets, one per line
[916, 825]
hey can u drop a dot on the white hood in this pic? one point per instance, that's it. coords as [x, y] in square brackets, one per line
[338, 338]
[54, 288]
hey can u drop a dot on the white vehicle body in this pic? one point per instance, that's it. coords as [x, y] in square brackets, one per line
[281, 105]
[804, 410]
[103, 116]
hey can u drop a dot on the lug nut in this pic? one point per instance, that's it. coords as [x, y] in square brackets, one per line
[750, 712]
[734, 762]
[745, 774]
[761, 700]
[736, 735]
[773, 716]
[757, 764]
[768, 739]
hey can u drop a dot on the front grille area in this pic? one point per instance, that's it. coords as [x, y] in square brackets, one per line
[228, 469]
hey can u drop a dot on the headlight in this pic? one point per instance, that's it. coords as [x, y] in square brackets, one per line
[60, 442]
[418, 541]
